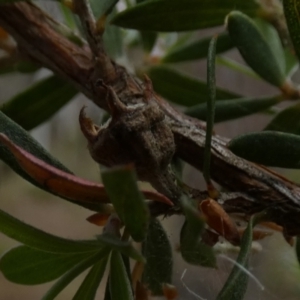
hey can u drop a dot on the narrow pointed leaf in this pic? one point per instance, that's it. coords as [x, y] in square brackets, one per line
[287, 120]
[121, 186]
[211, 86]
[62, 183]
[38, 103]
[166, 15]
[292, 12]
[182, 89]
[148, 39]
[56, 181]
[157, 250]
[236, 284]
[270, 148]
[119, 283]
[254, 48]
[298, 248]
[41, 240]
[124, 247]
[197, 49]
[73, 273]
[193, 250]
[231, 109]
[89, 286]
[29, 266]
[21, 138]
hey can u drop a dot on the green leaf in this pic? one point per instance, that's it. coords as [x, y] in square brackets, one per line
[29, 266]
[124, 247]
[236, 284]
[197, 49]
[157, 250]
[298, 248]
[11, 66]
[287, 120]
[270, 148]
[235, 66]
[272, 38]
[127, 199]
[148, 39]
[89, 286]
[21, 138]
[231, 109]
[292, 12]
[193, 250]
[182, 89]
[119, 283]
[254, 48]
[211, 86]
[74, 272]
[38, 103]
[41, 240]
[291, 63]
[177, 15]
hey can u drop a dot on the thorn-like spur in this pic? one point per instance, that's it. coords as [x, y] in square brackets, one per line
[115, 105]
[148, 91]
[88, 128]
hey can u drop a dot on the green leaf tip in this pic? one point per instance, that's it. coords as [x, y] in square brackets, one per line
[254, 48]
[128, 201]
[157, 250]
[270, 148]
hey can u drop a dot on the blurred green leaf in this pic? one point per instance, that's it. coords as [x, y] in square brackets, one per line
[254, 48]
[148, 40]
[68, 16]
[112, 37]
[22, 139]
[197, 49]
[29, 266]
[74, 272]
[210, 105]
[157, 250]
[298, 248]
[182, 89]
[287, 120]
[38, 103]
[193, 250]
[291, 63]
[272, 38]
[292, 12]
[236, 284]
[271, 148]
[41, 240]
[177, 15]
[89, 286]
[235, 66]
[10, 65]
[119, 283]
[124, 247]
[231, 109]
[127, 199]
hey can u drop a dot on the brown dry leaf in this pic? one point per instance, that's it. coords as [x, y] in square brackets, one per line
[258, 234]
[3, 34]
[64, 184]
[216, 217]
[141, 292]
[137, 273]
[98, 219]
[170, 291]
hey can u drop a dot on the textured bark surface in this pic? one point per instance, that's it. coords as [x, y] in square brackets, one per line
[144, 128]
